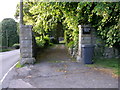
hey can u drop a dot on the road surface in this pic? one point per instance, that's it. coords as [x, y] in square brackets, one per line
[56, 69]
[7, 60]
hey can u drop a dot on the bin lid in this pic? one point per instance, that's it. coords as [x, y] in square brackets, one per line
[87, 45]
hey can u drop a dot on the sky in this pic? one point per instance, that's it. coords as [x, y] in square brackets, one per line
[7, 8]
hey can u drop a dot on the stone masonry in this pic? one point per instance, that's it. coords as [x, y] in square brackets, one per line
[92, 39]
[85, 38]
[26, 45]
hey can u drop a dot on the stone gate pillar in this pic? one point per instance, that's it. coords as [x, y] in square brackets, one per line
[79, 57]
[85, 37]
[26, 40]
[26, 45]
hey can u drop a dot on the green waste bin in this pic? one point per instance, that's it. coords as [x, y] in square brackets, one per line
[87, 53]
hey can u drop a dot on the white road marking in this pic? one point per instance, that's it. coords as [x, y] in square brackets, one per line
[8, 72]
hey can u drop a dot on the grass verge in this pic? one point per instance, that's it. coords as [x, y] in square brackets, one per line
[111, 64]
[4, 50]
[18, 65]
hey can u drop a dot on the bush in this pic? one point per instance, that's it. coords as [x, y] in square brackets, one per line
[47, 41]
[43, 42]
[16, 46]
[4, 50]
[70, 44]
[40, 42]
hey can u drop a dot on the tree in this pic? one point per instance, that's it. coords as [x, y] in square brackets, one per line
[0, 34]
[104, 16]
[9, 32]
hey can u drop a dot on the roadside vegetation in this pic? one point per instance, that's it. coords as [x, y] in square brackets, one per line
[18, 65]
[53, 19]
[105, 64]
[14, 47]
[8, 34]
[4, 50]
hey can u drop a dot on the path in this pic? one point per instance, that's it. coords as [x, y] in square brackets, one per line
[55, 69]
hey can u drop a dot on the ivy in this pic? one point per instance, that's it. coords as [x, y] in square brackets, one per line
[47, 16]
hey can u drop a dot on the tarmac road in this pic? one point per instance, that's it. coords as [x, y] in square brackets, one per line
[7, 60]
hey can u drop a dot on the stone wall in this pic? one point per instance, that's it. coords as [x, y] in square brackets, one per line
[100, 51]
[26, 45]
[110, 53]
[104, 52]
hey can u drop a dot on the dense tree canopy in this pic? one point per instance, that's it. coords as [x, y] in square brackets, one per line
[46, 17]
[8, 32]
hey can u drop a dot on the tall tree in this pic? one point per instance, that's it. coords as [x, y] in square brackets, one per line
[104, 16]
[9, 32]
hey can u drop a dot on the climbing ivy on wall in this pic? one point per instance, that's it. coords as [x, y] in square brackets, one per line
[108, 22]
[46, 16]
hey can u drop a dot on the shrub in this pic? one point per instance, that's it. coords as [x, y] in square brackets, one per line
[40, 42]
[70, 44]
[16, 46]
[47, 41]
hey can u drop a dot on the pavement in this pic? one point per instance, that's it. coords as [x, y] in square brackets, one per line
[56, 69]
